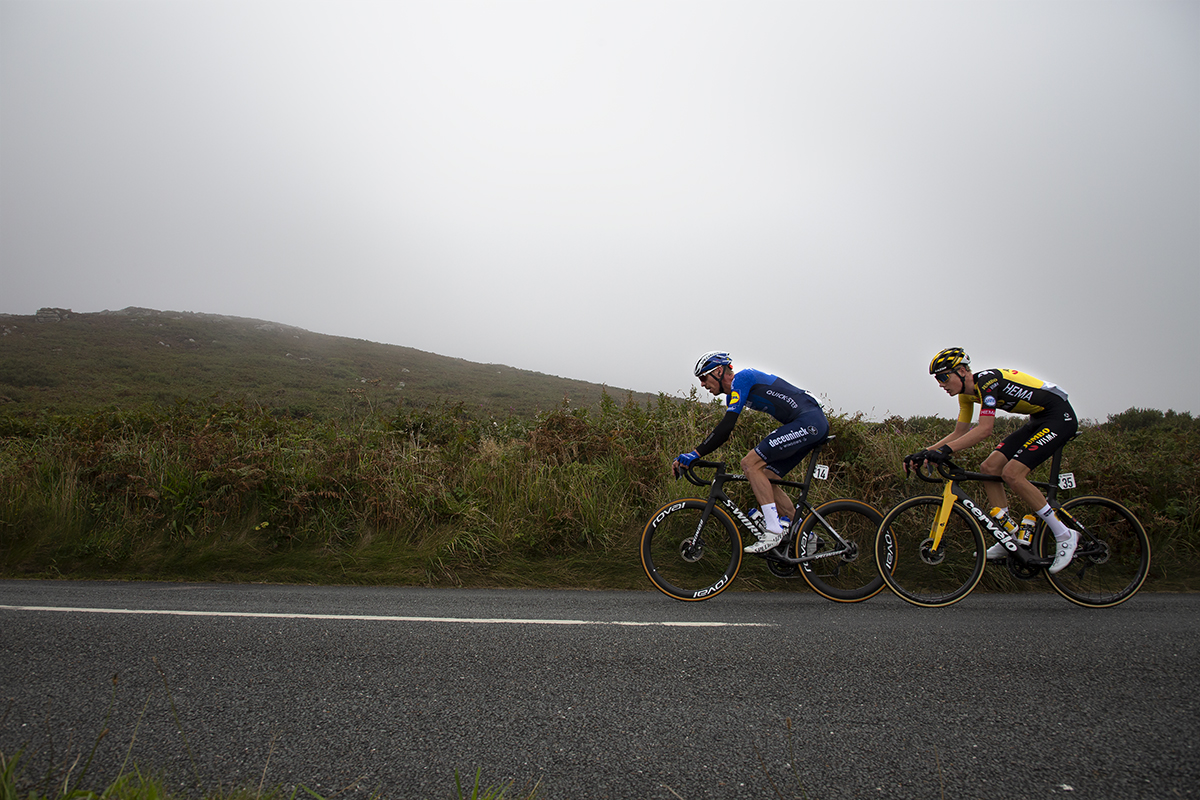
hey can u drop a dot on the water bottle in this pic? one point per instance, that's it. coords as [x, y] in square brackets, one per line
[1025, 535]
[1001, 519]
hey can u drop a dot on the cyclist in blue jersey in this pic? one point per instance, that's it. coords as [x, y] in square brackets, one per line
[803, 427]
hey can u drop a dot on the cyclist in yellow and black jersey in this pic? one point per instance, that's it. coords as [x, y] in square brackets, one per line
[1012, 391]
[1052, 423]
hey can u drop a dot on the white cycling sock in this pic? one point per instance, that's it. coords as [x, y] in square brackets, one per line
[771, 518]
[1061, 534]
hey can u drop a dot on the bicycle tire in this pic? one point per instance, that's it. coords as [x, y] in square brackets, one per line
[912, 570]
[1113, 557]
[850, 578]
[698, 575]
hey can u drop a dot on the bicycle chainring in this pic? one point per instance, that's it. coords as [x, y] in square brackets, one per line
[1020, 571]
[781, 569]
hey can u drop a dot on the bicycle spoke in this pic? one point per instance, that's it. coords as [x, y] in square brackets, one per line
[688, 562]
[914, 569]
[1113, 557]
[851, 575]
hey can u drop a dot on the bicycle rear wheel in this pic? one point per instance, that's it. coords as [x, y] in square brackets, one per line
[686, 566]
[911, 567]
[852, 576]
[1113, 557]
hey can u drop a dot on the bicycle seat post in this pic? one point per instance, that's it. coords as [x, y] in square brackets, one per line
[812, 466]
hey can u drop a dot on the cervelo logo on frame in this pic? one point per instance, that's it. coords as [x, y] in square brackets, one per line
[1003, 536]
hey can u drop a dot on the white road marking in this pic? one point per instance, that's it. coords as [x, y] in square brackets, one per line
[374, 618]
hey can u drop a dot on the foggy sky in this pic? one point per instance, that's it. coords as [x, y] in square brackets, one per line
[831, 191]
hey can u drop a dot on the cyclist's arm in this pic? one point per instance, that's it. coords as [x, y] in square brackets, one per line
[962, 428]
[965, 436]
[720, 434]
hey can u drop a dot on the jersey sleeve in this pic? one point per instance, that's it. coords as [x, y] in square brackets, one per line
[739, 392]
[966, 408]
[720, 435]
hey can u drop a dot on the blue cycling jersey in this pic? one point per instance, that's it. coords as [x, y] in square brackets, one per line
[770, 394]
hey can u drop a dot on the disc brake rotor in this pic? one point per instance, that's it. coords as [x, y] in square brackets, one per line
[691, 551]
[929, 555]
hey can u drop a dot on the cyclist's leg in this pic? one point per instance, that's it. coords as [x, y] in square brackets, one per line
[1042, 437]
[998, 461]
[994, 464]
[1051, 431]
[778, 453]
[759, 475]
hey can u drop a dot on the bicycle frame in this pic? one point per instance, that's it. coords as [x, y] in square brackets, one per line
[951, 473]
[717, 493]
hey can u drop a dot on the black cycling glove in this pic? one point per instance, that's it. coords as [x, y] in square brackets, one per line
[941, 455]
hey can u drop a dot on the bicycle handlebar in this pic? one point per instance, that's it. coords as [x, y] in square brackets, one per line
[692, 478]
[949, 471]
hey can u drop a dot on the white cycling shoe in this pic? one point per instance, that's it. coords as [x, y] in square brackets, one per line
[1064, 552]
[997, 552]
[766, 541]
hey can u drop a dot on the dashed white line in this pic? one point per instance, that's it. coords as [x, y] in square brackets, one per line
[382, 618]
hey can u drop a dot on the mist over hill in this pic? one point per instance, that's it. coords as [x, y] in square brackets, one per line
[60, 361]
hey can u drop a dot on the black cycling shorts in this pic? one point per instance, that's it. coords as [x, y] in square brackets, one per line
[787, 445]
[1041, 437]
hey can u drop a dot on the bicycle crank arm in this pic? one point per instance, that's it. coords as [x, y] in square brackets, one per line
[1027, 559]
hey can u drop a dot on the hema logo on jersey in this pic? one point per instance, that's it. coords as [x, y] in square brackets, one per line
[1012, 390]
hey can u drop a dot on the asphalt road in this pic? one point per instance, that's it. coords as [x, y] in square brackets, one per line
[590, 695]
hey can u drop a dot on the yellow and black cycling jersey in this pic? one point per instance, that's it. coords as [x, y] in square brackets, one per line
[1012, 391]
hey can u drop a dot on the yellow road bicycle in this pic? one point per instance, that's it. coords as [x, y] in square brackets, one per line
[931, 549]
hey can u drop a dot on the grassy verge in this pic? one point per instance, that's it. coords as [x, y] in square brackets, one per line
[441, 496]
[70, 779]
[135, 785]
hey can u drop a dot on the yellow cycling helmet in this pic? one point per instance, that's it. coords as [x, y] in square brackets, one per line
[949, 359]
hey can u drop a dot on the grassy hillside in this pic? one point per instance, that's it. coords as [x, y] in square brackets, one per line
[189, 447]
[61, 362]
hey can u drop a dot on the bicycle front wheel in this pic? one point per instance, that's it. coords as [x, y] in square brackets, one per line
[687, 561]
[1113, 557]
[851, 576]
[913, 569]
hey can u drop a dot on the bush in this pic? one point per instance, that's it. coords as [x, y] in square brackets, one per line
[443, 495]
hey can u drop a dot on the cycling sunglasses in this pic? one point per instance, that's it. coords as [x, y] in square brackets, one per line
[943, 377]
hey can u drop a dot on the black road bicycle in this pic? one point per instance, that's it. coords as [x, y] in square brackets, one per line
[933, 549]
[692, 549]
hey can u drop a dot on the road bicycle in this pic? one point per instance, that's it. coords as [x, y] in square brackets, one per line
[933, 549]
[692, 549]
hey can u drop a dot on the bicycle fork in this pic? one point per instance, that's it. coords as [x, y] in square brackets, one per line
[950, 495]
